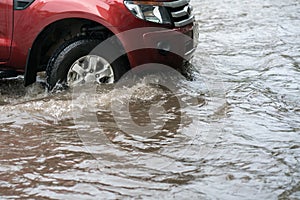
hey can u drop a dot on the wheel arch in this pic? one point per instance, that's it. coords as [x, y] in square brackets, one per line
[54, 35]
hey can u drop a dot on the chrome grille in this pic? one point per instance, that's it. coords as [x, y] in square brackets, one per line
[181, 12]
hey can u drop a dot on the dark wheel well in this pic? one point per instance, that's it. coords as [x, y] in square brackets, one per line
[53, 36]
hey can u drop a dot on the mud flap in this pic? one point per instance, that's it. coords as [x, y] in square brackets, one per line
[30, 71]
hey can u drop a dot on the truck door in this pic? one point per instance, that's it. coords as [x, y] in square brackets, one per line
[6, 24]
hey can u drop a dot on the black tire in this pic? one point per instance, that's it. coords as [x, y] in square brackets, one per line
[63, 58]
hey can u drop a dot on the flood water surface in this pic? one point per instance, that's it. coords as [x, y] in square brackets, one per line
[233, 132]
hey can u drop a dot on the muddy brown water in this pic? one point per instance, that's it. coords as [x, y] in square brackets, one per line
[240, 140]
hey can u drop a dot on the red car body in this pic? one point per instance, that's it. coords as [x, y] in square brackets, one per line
[30, 30]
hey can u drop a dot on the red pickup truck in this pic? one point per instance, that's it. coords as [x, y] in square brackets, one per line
[57, 36]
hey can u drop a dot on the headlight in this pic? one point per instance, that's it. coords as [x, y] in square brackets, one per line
[152, 12]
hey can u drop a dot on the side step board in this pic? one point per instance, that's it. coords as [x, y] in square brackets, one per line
[8, 74]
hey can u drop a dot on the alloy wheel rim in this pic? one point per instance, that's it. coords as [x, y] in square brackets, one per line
[90, 69]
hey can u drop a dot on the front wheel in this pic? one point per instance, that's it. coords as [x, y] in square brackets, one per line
[75, 63]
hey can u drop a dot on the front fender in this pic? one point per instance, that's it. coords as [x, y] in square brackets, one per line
[29, 23]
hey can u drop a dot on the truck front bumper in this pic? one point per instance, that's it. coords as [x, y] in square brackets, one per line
[171, 47]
